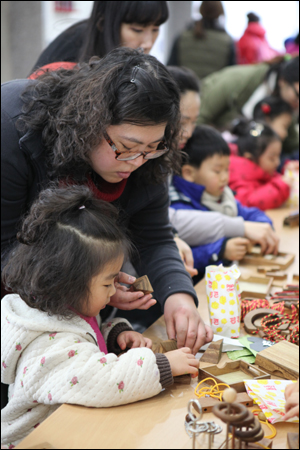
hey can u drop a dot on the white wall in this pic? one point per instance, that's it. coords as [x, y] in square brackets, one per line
[280, 19]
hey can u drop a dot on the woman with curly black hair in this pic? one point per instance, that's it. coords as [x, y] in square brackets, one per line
[111, 124]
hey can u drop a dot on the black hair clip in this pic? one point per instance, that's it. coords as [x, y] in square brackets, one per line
[134, 73]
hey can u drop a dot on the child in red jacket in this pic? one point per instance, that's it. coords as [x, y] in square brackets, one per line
[253, 175]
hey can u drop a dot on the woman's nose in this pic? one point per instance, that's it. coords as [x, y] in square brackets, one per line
[137, 162]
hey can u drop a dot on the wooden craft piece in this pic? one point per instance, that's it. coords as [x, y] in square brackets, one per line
[255, 286]
[282, 357]
[292, 219]
[142, 284]
[207, 403]
[293, 440]
[232, 373]
[264, 269]
[277, 275]
[213, 353]
[295, 278]
[251, 316]
[283, 260]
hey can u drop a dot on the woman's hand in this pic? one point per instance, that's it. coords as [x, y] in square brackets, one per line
[127, 299]
[184, 323]
[132, 339]
[186, 255]
[182, 362]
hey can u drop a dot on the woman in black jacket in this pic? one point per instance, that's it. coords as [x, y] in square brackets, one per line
[111, 24]
[111, 124]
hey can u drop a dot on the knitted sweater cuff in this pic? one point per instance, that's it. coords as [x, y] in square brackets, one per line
[112, 345]
[166, 377]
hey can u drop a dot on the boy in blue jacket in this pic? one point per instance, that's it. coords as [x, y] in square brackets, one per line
[203, 185]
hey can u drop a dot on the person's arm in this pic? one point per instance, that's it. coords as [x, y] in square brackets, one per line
[269, 196]
[211, 253]
[202, 227]
[160, 260]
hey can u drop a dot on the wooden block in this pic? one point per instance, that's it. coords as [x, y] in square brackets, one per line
[142, 284]
[277, 275]
[293, 440]
[282, 357]
[213, 353]
[264, 269]
[255, 286]
[292, 219]
[183, 379]
[164, 346]
[283, 260]
[232, 373]
[295, 277]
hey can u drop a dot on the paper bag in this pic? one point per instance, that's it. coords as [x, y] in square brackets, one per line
[223, 297]
[269, 396]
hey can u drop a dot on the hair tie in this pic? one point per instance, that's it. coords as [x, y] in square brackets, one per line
[81, 207]
[266, 109]
[134, 73]
[256, 129]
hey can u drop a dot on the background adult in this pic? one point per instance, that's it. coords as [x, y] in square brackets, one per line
[76, 124]
[253, 46]
[233, 91]
[198, 227]
[204, 47]
[111, 24]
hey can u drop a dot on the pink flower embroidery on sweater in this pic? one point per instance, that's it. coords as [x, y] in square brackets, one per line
[4, 365]
[140, 361]
[74, 381]
[43, 361]
[52, 336]
[18, 346]
[49, 396]
[121, 386]
[103, 361]
[24, 371]
[22, 383]
[36, 425]
[72, 353]
[7, 319]
[11, 446]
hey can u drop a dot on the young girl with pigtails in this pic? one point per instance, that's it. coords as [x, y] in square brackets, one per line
[62, 273]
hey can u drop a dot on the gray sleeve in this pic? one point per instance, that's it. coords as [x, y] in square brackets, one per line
[203, 227]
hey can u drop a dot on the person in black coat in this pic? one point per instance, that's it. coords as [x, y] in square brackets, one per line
[111, 124]
[111, 24]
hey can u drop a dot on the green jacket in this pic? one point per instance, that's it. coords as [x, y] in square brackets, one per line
[224, 93]
[203, 56]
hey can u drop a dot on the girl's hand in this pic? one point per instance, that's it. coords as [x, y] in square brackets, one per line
[291, 394]
[126, 299]
[182, 361]
[236, 249]
[133, 339]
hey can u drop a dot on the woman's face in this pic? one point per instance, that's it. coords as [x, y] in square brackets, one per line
[289, 93]
[189, 110]
[134, 35]
[280, 124]
[126, 137]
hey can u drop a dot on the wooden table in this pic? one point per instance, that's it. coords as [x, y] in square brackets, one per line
[157, 422]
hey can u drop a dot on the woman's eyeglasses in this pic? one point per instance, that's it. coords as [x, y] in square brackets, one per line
[129, 155]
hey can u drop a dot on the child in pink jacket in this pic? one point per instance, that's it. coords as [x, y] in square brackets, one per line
[253, 175]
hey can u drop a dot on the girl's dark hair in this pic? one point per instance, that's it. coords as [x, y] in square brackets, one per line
[73, 108]
[67, 238]
[204, 143]
[253, 137]
[185, 78]
[270, 108]
[103, 26]
[252, 17]
[210, 11]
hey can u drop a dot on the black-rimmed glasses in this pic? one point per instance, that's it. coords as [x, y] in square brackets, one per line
[129, 155]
